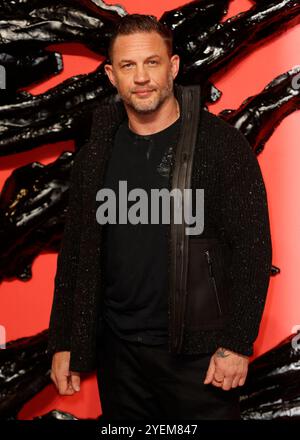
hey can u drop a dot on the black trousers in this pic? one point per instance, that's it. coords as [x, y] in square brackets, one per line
[143, 382]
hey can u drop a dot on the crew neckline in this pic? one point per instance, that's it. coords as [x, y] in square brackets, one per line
[149, 136]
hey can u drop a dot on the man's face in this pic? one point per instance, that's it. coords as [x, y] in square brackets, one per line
[142, 70]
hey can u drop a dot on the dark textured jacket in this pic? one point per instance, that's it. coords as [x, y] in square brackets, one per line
[229, 264]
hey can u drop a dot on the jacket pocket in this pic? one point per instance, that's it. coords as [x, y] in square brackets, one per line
[206, 302]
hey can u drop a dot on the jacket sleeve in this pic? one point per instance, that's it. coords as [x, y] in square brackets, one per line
[67, 261]
[243, 211]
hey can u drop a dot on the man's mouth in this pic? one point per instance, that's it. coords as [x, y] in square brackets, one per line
[144, 92]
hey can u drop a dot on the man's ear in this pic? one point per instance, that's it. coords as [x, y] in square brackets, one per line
[175, 61]
[109, 72]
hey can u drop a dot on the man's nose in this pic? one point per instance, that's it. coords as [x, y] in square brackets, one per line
[141, 74]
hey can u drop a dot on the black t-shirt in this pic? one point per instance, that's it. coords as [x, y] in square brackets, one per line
[135, 301]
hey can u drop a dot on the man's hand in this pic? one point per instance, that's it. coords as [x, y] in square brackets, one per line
[66, 382]
[227, 369]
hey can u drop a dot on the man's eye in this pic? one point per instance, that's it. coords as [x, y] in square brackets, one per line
[127, 65]
[153, 62]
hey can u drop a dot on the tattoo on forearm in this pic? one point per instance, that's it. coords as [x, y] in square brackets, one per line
[221, 353]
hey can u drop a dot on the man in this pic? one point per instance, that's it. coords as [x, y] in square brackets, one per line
[168, 319]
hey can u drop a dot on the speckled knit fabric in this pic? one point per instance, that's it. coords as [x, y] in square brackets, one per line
[236, 212]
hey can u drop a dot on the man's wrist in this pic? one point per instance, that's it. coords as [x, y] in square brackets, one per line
[224, 352]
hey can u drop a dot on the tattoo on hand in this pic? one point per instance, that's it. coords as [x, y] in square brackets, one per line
[221, 353]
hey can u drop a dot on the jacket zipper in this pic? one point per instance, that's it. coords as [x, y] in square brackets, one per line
[208, 257]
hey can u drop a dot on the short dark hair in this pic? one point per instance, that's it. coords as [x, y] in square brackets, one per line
[132, 23]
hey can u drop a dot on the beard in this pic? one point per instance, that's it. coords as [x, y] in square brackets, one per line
[151, 104]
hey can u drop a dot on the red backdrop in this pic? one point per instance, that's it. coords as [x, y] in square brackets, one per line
[25, 306]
